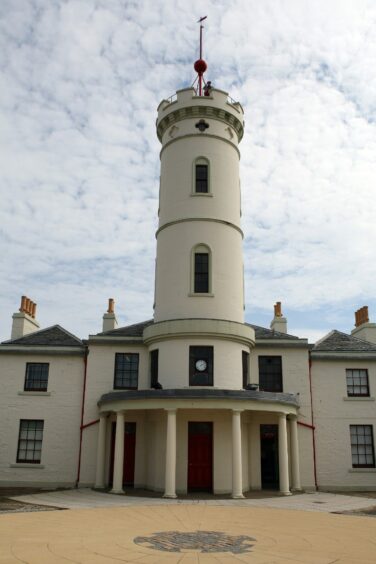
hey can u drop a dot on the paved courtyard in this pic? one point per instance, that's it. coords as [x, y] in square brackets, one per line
[104, 529]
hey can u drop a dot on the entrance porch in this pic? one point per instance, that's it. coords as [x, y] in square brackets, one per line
[185, 443]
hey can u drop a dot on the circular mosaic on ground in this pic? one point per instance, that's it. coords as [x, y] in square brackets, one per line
[203, 541]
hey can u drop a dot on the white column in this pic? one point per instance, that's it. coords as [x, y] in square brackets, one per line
[254, 456]
[283, 456]
[170, 471]
[237, 469]
[294, 443]
[101, 450]
[117, 483]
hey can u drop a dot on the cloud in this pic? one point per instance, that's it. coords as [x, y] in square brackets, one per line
[79, 157]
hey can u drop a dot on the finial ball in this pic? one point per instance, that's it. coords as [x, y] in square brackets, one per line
[200, 66]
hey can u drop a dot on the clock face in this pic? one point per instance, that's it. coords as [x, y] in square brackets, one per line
[201, 365]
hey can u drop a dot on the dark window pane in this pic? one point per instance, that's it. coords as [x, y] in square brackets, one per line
[362, 447]
[30, 440]
[245, 357]
[201, 272]
[270, 373]
[154, 367]
[36, 378]
[202, 179]
[200, 366]
[126, 371]
[357, 382]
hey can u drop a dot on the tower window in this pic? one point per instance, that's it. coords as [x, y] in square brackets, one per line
[245, 364]
[201, 285]
[202, 177]
[200, 366]
[154, 368]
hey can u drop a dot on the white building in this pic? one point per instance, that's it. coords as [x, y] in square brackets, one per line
[194, 399]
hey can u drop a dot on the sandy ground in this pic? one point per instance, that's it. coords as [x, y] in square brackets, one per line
[243, 534]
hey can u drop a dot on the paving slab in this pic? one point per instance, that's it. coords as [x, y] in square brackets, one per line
[186, 533]
[83, 498]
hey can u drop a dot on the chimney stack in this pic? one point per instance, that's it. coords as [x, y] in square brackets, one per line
[109, 318]
[24, 321]
[279, 323]
[363, 328]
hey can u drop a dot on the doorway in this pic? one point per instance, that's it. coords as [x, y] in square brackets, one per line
[200, 456]
[269, 457]
[129, 453]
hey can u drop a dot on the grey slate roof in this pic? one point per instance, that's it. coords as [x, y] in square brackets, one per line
[135, 330]
[341, 342]
[264, 333]
[54, 336]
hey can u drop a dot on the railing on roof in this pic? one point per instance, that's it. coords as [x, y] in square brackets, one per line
[174, 97]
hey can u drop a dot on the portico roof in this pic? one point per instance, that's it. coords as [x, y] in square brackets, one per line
[199, 394]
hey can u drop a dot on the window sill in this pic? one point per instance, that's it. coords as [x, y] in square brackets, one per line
[200, 194]
[26, 465]
[358, 398]
[201, 295]
[34, 393]
[361, 470]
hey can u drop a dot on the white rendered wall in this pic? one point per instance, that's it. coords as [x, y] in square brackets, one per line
[100, 380]
[174, 362]
[174, 299]
[295, 378]
[60, 408]
[177, 198]
[334, 412]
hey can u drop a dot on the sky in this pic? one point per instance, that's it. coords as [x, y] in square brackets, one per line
[80, 82]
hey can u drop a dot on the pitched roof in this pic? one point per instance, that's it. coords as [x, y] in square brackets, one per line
[264, 333]
[135, 330]
[54, 336]
[337, 341]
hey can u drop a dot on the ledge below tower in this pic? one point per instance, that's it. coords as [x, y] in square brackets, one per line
[215, 328]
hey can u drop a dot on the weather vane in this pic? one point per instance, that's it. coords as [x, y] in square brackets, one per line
[200, 66]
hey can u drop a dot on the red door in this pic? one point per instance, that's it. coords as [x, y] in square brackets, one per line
[129, 453]
[200, 456]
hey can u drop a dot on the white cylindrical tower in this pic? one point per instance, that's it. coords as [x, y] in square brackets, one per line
[199, 328]
[199, 270]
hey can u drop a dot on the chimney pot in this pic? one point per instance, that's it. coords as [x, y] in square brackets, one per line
[33, 310]
[23, 304]
[365, 317]
[111, 305]
[27, 305]
[278, 309]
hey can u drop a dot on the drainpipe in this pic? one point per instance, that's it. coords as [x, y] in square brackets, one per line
[82, 418]
[313, 426]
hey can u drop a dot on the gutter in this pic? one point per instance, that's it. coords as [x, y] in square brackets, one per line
[82, 418]
[312, 426]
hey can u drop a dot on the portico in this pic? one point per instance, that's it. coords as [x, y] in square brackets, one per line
[166, 415]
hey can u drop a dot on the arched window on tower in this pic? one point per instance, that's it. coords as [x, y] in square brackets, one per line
[201, 176]
[201, 269]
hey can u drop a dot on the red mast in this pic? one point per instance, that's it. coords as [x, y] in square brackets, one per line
[200, 65]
